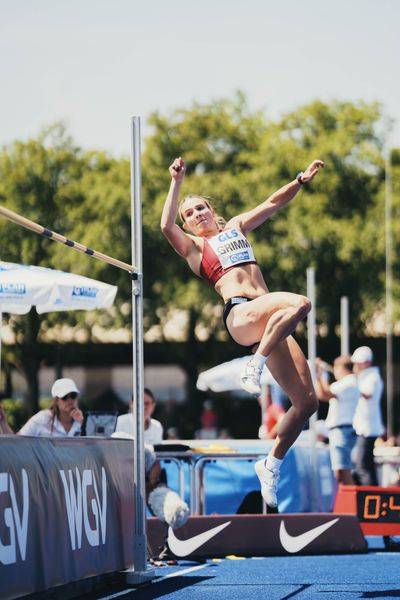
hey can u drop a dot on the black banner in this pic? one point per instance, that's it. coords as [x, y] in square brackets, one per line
[66, 511]
[259, 535]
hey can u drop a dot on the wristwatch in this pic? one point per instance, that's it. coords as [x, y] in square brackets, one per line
[299, 178]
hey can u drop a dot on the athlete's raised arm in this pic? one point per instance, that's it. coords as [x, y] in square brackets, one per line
[179, 240]
[255, 217]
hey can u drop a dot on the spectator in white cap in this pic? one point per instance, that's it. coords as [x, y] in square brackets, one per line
[367, 422]
[63, 418]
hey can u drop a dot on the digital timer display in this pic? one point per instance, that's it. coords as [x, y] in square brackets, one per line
[379, 507]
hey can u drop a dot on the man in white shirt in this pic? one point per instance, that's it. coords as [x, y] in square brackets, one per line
[164, 503]
[153, 430]
[343, 396]
[367, 421]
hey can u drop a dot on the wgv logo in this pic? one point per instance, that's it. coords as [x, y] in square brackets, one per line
[80, 507]
[14, 519]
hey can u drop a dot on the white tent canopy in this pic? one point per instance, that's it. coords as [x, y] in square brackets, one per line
[24, 286]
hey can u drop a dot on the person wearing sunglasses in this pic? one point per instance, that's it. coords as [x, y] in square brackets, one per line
[63, 418]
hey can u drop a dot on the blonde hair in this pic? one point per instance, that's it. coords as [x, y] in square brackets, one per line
[220, 221]
[55, 412]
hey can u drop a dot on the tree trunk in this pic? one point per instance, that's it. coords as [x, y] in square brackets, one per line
[8, 387]
[30, 360]
[190, 365]
[32, 379]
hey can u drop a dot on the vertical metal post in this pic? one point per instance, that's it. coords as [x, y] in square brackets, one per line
[389, 292]
[312, 355]
[344, 326]
[311, 322]
[1, 341]
[140, 572]
[264, 397]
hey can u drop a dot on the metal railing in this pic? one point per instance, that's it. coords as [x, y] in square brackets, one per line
[197, 463]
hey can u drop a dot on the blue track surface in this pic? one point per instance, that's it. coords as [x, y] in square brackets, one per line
[372, 575]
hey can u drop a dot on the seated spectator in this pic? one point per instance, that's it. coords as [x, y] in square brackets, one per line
[153, 430]
[63, 419]
[163, 503]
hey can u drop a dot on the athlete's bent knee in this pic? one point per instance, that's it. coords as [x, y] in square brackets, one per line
[310, 406]
[303, 306]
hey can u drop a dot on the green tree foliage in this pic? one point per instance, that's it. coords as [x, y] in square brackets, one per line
[85, 196]
[34, 177]
[219, 142]
[101, 220]
[239, 158]
[394, 196]
[337, 223]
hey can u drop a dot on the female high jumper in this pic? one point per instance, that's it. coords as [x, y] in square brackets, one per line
[254, 317]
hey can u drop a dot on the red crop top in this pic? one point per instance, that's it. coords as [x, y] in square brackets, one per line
[223, 252]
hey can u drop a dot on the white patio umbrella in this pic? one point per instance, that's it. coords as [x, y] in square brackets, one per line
[24, 286]
[226, 376]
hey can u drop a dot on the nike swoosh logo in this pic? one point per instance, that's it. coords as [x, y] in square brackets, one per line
[185, 547]
[295, 543]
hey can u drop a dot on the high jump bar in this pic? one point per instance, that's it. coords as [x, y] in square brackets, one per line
[57, 237]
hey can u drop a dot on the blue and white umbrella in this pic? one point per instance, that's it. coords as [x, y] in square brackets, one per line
[24, 286]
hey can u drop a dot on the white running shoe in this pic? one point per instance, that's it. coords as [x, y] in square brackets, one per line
[250, 377]
[269, 479]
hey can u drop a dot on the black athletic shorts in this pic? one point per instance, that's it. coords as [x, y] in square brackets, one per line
[231, 303]
[227, 309]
